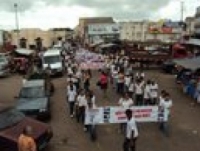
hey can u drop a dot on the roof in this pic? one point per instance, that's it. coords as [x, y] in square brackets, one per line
[189, 63]
[52, 52]
[34, 83]
[93, 20]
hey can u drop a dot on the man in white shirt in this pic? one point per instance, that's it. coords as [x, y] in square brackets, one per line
[147, 93]
[165, 106]
[154, 93]
[71, 95]
[131, 133]
[81, 104]
[139, 92]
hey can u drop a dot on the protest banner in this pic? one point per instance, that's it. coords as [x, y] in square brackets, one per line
[117, 115]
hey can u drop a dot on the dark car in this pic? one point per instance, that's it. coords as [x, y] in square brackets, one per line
[34, 100]
[12, 124]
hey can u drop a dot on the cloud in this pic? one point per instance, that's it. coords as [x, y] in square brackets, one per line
[117, 8]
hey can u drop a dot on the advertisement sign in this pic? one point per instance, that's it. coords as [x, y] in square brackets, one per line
[103, 29]
[114, 115]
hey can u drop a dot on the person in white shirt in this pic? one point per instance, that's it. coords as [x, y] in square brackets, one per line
[131, 132]
[114, 77]
[127, 81]
[81, 104]
[165, 106]
[125, 102]
[139, 92]
[147, 93]
[154, 92]
[71, 97]
[131, 88]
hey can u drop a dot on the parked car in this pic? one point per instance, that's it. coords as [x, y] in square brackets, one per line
[4, 65]
[34, 100]
[12, 124]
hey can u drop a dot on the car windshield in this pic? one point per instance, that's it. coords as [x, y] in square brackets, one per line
[51, 59]
[9, 118]
[32, 92]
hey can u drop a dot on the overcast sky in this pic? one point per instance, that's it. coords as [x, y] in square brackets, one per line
[65, 13]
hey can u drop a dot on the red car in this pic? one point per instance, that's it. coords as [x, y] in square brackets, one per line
[12, 124]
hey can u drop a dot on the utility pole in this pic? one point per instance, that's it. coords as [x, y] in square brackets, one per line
[17, 22]
[182, 11]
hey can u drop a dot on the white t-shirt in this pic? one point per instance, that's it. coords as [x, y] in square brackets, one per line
[147, 94]
[126, 103]
[166, 105]
[127, 80]
[131, 87]
[71, 96]
[69, 70]
[139, 88]
[115, 74]
[81, 101]
[131, 126]
[154, 90]
[68, 88]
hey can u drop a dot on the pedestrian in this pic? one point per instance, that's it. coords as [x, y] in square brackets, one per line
[165, 106]
[127, 81]
[86, 81]
[104, 83]
[131, 132]
[154, 92]
[71, 97]
[115, 76]
[131, 87]
[147, 93]
[120, 83]
[26, 141]
[125, 102]
[139, 92]
[81, 104]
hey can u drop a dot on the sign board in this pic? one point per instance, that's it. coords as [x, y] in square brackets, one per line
[103, 29]
[117, 115]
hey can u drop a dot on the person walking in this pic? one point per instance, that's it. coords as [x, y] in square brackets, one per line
[147, 93]
[71, 97]
[154, 92]
[104, 83]
[131, 132]
[125, 102]
[81, 104]
[139, 92]
[25, 141]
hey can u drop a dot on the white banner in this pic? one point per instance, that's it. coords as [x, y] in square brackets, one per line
[117, 115]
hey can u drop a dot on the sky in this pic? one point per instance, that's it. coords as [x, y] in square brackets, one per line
[47, 14]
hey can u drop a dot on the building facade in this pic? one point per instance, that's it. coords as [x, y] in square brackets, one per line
[82, 29]
[145, 31]
[33, 37]
[197, 23]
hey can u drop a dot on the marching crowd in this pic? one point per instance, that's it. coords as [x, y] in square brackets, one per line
[133, 87]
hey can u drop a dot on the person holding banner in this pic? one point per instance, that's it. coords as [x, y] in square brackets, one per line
[125, 102]
[139, 88]
[131, 132]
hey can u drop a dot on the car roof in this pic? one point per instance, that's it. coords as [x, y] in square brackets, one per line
[34, 83]
[52, 52]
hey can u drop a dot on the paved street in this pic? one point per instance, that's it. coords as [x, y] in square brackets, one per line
[69, 135]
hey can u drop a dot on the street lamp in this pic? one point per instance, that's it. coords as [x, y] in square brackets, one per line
[17, 22]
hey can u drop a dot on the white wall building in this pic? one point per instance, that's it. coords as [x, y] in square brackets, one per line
[144, 31]
[102, 32]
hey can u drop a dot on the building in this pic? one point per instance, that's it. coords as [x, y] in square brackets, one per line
[190, 23]
[84, 22]
[197, 23]
[103, 32]
[165, 31]
[34, 37]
